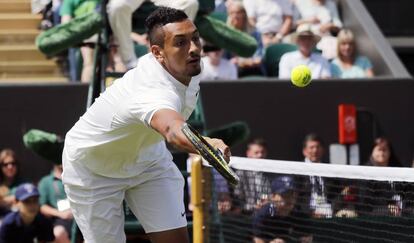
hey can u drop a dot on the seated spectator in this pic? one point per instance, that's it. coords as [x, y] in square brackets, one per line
[54, 204]
[215, 66]
[49, 10]
[237, 18]
[347, 202]
[9, 180]
[324, 19]
[221, 187]
[306, 41]
[71, 9]
[382, 154]
[120, 14]
[279, 220]
[382, 198]
[348, 64]
[27, 224]
[254, 187]
[317, 191]
[322, 15]
[273, 19]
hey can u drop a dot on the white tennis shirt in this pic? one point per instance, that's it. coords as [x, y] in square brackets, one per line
[113, 138]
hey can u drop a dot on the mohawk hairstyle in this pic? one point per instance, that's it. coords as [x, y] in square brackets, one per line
[160, 17]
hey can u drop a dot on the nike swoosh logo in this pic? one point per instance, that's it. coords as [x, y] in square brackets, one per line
[183, 214]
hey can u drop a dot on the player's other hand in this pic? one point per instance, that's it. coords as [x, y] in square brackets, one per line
[220, 145]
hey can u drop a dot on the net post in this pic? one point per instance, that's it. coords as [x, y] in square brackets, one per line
[197, 200]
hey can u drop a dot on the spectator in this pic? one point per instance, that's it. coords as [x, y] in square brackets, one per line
[49, 10]
[237, 18]
[313, 148]
[9, 179]
[254, 187]
[279, 220]
[71, 9]
[382, 198]
[382, 154]
[215, 66]
[348, 64]
[27, 224]
[346, 204]
[324, 19]
[315, 192]
[272, 18]
[306, 41]
[54, 204]
[322, 15]
[120, 14]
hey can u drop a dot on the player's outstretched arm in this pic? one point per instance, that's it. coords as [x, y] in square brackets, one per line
[169, 122]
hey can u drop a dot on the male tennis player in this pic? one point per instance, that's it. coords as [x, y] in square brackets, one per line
[117, 151]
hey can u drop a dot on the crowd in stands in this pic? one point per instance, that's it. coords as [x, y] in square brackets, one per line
[313, 27]
[279, 206]
[31, 213]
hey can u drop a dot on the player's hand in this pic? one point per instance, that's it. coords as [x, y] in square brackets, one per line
[220, 145]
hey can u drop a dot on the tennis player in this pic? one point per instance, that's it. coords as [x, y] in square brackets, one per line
[117, 149]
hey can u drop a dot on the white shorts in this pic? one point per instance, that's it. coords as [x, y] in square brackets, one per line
[155, 197]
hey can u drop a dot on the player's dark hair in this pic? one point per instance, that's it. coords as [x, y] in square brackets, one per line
[312, 137]
[160, 17]
[257, 141]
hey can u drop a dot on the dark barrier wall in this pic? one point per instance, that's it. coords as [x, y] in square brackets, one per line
[391, 16]
[51, 108]
[283, 114]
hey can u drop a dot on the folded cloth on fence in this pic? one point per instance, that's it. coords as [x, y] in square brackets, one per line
[47, 145]
[63, 36]
[226, 37]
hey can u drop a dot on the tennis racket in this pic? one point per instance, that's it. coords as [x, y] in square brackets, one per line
[213, 156]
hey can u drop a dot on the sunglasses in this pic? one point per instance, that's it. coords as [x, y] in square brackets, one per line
[13, 164]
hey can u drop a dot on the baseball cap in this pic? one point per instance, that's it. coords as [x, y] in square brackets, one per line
[282, 184]
[26, 190]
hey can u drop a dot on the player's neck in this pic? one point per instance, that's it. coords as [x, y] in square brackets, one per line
[185, 81]
[180, 78]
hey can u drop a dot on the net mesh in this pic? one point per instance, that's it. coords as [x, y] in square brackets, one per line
[278, 201]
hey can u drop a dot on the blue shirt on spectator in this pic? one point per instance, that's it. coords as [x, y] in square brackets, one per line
[13, 230]
[358, 70]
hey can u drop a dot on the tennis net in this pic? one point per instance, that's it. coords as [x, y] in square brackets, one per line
[308, 202]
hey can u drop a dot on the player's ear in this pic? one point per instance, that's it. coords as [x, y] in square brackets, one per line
[158, 52]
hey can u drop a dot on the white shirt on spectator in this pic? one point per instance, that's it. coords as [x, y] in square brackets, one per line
[327, 13]
[268, 13]
[318, 65]
[226, 70]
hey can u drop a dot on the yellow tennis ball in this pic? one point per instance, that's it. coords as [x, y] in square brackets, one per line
[301, 76]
